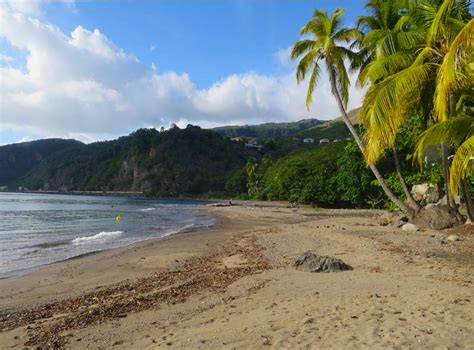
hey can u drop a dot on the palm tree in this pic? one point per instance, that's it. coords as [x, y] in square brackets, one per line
[385, 35]
[442, 61]
[326, 45]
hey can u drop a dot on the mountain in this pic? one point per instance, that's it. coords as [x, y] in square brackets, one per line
[268, 129]
[188, 161]
[333, 129]
[19, 158]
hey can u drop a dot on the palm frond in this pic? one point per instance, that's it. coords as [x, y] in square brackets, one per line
[450, 73]
[453, 132]
[437, 27]
[463, 164]
[313, 81]
[367, 23]
[343, 81]
[347, 35]
[386, 104]
[385, 66]
[301, 47]
[336, 21]
[304, 65]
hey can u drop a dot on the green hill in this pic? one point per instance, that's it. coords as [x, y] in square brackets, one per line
[267, 130]
[19, 158]
[187, 161]
[333, 129]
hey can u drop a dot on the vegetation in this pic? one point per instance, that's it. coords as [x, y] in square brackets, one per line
[267, 130]
[185, 162]
[416, 58]
[421, 61]
[326, 45]
[19, 158]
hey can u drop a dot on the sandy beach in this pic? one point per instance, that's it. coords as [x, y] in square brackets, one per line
[233, 287]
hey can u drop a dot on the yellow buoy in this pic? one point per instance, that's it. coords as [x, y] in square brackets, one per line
[118, 218]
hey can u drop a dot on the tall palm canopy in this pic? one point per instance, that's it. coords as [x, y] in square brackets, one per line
[402, 80]
[325, 43]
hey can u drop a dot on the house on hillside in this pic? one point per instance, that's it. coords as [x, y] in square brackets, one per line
[324, 141]
[253, 144]
[308, 140]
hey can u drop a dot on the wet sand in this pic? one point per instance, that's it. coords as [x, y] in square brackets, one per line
[233, 286]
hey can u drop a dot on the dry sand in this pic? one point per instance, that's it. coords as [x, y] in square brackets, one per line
[233, 287]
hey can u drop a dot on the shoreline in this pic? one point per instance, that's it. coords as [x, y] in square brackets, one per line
[84, 193]
[88, 258]
[26, 271]
[232, 286]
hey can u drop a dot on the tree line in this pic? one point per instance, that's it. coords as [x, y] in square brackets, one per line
[415, 57]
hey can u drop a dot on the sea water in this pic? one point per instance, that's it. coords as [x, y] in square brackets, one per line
[39, 229]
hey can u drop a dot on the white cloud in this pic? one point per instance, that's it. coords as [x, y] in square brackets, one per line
[25, 139]
[283, 58]
[32, 7]
[6, 58]
[81, 85]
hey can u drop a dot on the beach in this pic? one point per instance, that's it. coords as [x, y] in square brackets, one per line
[234, 286]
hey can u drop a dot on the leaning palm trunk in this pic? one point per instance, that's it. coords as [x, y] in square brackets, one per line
[444, 158]
[403, 207]
[398, 169]
[449, 196]
[468, 201]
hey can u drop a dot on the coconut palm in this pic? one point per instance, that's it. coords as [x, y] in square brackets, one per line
[327, 45]
[385, 47]
[444, 61]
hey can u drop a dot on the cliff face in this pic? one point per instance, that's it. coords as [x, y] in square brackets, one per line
[18, 159]
[175, 162]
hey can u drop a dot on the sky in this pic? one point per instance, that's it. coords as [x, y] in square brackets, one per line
[97, 70]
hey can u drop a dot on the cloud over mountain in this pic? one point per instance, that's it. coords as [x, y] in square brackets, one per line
[82, 85]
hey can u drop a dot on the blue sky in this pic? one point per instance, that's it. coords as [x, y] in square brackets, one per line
[208, 51]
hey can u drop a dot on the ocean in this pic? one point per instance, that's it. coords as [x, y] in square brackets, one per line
[40, 229]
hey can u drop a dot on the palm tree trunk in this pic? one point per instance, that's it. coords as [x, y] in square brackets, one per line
[403, 207]
[449, 196]
[402, 180]
[468, 200]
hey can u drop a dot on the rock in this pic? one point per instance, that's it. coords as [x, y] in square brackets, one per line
[410, 227]
[453, 238]
[426, 193]
[397, 224]
[311, 262]
[444, 201]
[439, 217]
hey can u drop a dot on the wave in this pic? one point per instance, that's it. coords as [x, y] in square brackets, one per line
[146, 209]
[100, 235]
[51, 244]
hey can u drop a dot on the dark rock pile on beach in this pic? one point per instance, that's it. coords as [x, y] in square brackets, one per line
[311, 262]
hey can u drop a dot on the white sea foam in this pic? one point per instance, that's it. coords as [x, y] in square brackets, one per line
[147, 209]
[100, 235]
